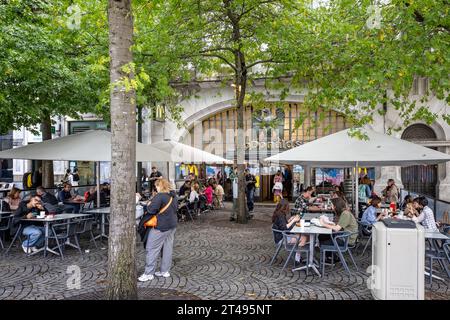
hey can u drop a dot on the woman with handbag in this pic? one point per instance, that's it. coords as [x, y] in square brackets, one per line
[161, 219]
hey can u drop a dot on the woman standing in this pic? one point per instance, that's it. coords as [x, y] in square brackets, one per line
[277, 187]
[164, 205]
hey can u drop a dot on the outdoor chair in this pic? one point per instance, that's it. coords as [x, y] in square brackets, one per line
[62, 233]
[340, 245]
[364, 232]
[86, 225]
[5, 225]
[441, 256]
[279, 245]
[293, 248]
[17, 236]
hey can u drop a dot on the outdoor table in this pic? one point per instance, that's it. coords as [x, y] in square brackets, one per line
[433, 237]
[312, 231]
[49, 220]
[103, 211]
[311, 215]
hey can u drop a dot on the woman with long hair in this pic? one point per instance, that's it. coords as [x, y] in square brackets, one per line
[13, 198]
[280, 222]
[345, 222]
[164, 205]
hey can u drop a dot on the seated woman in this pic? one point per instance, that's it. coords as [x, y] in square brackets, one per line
[280, 222]
[13, 199]
[370, 216]
[409, 209]
[426, 216]
[346, 222]
[208, 192]
[193, 195]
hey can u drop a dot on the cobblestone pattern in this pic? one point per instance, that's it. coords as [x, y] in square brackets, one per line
[213, 259]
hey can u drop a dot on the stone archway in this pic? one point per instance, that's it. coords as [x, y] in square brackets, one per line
[422, 179]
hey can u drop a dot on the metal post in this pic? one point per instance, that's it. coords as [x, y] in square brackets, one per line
[98, 184]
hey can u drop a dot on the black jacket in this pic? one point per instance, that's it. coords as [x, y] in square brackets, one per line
[166, 221]
[22, 212]
[49, 198]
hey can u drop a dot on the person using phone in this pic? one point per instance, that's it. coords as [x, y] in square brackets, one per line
[33, 233]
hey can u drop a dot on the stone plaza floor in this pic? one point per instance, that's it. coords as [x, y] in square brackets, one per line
[213, 259]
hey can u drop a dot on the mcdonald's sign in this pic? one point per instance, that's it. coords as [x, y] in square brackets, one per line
[159, 113]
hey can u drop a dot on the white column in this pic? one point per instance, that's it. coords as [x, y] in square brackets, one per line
[444, 184]
[386, 173]
[307, 170]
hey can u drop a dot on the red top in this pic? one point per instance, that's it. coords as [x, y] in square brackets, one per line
[209, 194]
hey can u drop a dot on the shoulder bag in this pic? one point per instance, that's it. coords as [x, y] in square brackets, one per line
[153, 221]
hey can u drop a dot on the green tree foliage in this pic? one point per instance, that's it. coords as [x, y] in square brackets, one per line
[45, 64]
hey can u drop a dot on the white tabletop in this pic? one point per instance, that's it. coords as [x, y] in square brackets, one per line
[59, 217]
[99, 210]
[311, 230]
[436, 235]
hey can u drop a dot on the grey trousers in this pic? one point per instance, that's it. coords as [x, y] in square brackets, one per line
[155, 242]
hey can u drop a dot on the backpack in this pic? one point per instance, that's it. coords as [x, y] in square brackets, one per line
[362, 196]
[76, 177]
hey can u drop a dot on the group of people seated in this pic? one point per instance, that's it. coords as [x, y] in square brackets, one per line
[193, 196]
[344, 220]
[415, 209]
[66, 200]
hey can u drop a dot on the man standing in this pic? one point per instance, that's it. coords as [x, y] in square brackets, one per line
[155, 175]
[250, 182]
[287, 181]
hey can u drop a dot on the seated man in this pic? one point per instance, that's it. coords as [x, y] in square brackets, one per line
[66, 197]
[185, 188]
[302, 204]
[34, 233]
[49, 201]
[92, 197]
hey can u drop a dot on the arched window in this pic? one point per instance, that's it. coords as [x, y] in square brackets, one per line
[420, 179]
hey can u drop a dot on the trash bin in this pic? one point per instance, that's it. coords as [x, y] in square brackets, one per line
[398, 253]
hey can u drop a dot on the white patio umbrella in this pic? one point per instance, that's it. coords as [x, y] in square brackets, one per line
[92, 145]
[180, 152]
[339, 150]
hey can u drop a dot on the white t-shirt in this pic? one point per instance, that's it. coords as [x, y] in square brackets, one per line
[193, 196]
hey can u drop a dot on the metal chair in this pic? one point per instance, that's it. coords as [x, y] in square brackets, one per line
[63, 232]
[442, 256]
[340, 245]
[279, 245]
[293, 247]
[86, 225]
[363, 230]
[5, 225]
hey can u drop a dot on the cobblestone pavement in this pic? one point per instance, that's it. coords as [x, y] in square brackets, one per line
[213, 259]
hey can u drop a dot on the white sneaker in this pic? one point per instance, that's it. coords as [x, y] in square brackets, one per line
[145, 277]
[28, 249]
[35, 249]
[162, 274]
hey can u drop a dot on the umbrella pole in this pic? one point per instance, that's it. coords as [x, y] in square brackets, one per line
[168, 176]
[98, 184]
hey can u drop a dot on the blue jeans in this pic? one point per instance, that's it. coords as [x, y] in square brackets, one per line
[35, 236]
[250, 196]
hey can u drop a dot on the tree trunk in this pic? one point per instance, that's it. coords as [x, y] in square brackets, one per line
[139, 139]
[122, 280]
[48, 179]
